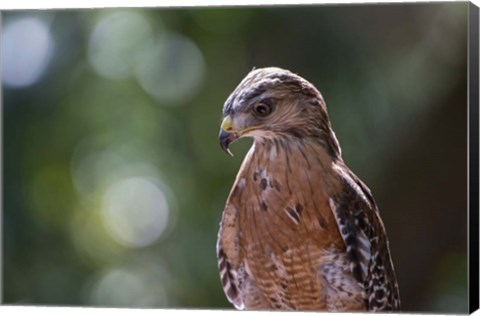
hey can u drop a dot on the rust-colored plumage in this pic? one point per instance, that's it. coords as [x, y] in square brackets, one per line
[299, 231]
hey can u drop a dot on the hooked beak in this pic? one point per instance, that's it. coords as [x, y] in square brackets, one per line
[227, 136]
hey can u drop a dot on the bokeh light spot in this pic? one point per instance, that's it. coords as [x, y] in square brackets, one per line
[93, 169]
[115, 41]
[171, 69]
[123, 288]
[135, 212]
[91, 241]
[27, 47]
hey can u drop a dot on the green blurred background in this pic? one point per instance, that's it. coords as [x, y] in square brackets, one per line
[114, 182]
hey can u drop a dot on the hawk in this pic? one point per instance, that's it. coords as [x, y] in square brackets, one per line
[299, 231]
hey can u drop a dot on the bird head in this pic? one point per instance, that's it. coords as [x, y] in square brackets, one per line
[273, 102]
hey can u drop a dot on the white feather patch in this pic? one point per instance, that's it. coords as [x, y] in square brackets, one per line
[241, 183]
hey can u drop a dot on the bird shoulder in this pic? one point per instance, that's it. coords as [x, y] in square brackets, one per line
[364, 235]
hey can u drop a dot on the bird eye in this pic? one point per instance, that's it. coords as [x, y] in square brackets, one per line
[262, 109]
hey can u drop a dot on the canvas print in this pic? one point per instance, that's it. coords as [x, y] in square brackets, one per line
[307, 157]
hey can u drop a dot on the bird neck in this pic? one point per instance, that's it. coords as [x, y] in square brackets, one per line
[294, 152]
[290, 162]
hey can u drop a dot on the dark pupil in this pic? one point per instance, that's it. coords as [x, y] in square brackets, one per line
[262, 109]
